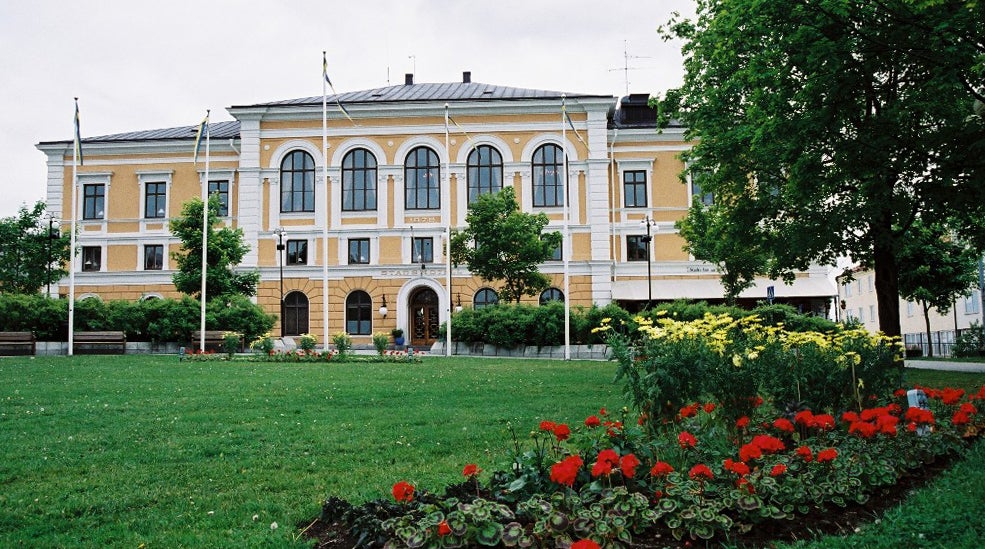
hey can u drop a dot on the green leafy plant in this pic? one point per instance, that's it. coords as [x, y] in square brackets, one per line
[380, 342]
[343, 343]
[307, 342]
[230, 343]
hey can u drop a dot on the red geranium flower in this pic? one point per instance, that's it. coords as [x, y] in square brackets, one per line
[471, 470]
[709, 407]
[566, 471]
[607, 459]
[898, 393]
[562, 432]
[750, 451]
[612, 428]
[687, 440]
[585, 544]
[768, 443]
[742, 422]
[783, 424]
[628, 464]
[688, 410]
[805, 418]
[778, 470]
[960, 418]
[602, 412]
[919, 415]
[700, 471]
[849, 417]
[661, 468]
[736, 467]
[744, 483]
[547, 425]
[824, 421]
[951, 396]
[968, 408]
[805, 453]
[403, 491]
[443, 528]
[592, 421]
[863, 428]
[826, 455]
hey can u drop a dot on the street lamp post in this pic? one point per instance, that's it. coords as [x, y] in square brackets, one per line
[53, 234]
[280, 232]
[649, 271]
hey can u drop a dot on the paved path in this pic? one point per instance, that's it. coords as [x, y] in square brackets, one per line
[976, 367]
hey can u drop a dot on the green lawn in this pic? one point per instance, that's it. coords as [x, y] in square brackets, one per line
[134, 450]
[137, 450]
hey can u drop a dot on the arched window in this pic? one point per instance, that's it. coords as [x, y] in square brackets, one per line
[295, 314]
[422, 180]
[358, 313]
[485, 172]
[297, 183]
[484, 298]
[548, 185]
[358, 181]
[551, 294]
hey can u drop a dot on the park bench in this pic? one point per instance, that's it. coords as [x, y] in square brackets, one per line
[214, 340]
[17, 343]
[95, 342]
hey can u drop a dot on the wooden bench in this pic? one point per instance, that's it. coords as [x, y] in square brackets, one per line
[95, 342]
[17, 343]
[214, 340]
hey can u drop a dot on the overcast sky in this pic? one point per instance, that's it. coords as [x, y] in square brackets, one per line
[139, 65]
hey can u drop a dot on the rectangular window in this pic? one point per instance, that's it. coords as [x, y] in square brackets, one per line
[556, 254]
[221, 189]
[153, 257]
[861, 314]
[872, 313]
[91, 258]
[909, 308]
[870, 284]
[971, 303]
[848, 289]
[698, 195]
[422, 250]
[634, 188]
[636, 248]
[93, 201]
[297, 252]
[358, 251]
[155, 200]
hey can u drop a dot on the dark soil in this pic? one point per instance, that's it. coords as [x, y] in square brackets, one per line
[831, 521]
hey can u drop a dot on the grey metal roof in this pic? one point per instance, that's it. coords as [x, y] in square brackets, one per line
[217, 130]
[453, 91]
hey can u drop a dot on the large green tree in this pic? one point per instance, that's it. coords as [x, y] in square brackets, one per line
[828, 127]
[225, 251]
[936, 270]
[503, 243]
[30, 258]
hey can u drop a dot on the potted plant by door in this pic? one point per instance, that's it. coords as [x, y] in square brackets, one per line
[398, 337]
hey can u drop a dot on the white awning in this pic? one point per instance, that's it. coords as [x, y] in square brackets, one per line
[711, 288]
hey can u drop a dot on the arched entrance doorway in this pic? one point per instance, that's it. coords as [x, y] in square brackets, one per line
[424, 321]
[295, 314]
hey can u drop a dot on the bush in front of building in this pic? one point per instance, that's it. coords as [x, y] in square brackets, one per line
[971, 341]
[155, 320]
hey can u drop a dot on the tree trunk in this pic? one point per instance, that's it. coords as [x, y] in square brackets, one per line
[926, 319]
[887, 287]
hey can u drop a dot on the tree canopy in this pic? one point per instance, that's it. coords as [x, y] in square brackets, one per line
[25, 249]
[827, 128]
[503, 243]
[225, 250]
[937, 269]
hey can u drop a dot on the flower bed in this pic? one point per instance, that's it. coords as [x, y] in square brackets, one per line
[693, 470]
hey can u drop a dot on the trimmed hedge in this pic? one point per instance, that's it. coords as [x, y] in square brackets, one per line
[153, 320]
[509, 325]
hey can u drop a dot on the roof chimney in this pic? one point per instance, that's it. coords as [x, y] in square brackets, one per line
[466, 77]
[409, 79]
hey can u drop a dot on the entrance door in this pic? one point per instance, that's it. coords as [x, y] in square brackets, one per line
[295, 314]
[423, 318]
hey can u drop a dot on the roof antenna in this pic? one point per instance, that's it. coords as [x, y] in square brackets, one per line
[626, 68]
[413, 59]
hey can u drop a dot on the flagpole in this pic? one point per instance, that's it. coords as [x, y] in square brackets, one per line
[448, 236]
[205, 231]
[566, 247]
[72, 262]
[324, 238]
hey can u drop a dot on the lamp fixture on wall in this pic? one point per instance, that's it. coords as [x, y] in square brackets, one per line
[383, 309]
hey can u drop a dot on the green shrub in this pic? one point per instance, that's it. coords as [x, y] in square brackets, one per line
[971, 342]
[380, 341]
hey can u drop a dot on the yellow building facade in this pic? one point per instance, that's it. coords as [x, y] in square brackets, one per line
[381, 180]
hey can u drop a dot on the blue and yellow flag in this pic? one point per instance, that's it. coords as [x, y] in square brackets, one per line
[78, 134]
[199, 135]
[324, 72]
